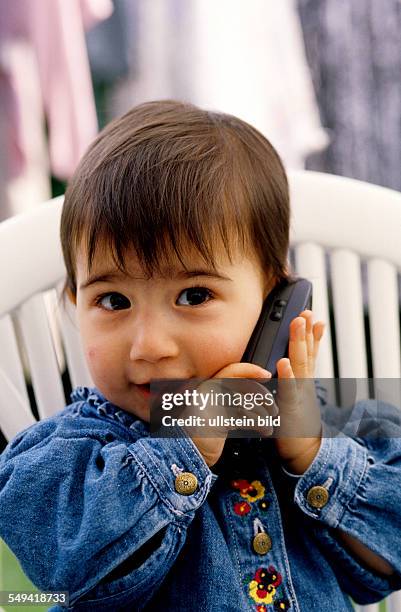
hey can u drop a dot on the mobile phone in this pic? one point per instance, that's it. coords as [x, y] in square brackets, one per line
[270, 338]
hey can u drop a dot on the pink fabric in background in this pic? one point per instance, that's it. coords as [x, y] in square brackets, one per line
[12, 155]
[56, 29]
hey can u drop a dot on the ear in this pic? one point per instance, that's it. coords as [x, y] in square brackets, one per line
[271, 280]
[269, 284]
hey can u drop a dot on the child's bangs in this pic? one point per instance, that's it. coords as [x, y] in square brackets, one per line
[163, 226]
[169, 183]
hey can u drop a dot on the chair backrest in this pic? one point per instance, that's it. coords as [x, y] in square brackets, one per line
[351, 231]
[32, 272]
[341, 229]
[346, 238]
[338, 226]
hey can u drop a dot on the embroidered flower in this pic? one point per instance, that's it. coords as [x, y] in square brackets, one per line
[240, 484]
[270, 575]
[262, 587]
[281, 605]
[255, 491]
[242, 508]
[261, 609]
[250, 491]
[263, 505]
[261, 595]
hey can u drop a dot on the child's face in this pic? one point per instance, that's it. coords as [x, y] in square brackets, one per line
[134, 329]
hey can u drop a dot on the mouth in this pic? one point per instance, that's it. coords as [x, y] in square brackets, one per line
[144, 389]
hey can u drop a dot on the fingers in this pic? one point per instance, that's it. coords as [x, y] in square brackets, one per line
[243, 370]
[287, 397]
[284, 369]
[318, 331]
[304, 345]
[297, 348]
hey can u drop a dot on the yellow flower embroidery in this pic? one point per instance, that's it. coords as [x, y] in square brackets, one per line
[261, 595]
[253, 492]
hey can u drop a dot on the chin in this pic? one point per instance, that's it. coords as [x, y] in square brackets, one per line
[137, 406]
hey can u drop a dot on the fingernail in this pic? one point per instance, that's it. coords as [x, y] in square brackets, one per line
[268, 374]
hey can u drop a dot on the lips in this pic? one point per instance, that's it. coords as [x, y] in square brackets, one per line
[144, 387]
[143, 390]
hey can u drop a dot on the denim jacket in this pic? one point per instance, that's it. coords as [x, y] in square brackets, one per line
[91, 504]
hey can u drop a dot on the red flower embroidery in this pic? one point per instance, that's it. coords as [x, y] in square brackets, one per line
[250, 490]
[262, 588]
[268, 576]
[240, 484]
[242, 508]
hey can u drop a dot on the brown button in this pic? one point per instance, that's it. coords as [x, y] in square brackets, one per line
[317, 497]
[262, 543]
[186, 483]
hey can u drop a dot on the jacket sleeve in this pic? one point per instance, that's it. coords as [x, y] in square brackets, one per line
[362, 477]
[80, 512]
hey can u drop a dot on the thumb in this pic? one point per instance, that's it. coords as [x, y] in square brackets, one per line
[243, 371]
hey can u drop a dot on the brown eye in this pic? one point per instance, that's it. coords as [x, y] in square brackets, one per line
[113, 301]
[193, 296]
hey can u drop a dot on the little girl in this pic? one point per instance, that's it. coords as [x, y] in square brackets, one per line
[175, 228]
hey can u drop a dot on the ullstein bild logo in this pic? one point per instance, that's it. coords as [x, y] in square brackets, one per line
[221, 421]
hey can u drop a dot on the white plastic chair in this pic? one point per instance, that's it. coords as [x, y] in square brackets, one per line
[32, 269]
[345, 220]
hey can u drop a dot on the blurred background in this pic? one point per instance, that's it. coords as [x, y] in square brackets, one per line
[320, 78]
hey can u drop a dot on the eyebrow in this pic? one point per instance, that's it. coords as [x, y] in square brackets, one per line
[105, 277]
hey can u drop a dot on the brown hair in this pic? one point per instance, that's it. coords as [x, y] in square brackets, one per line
[168, 174]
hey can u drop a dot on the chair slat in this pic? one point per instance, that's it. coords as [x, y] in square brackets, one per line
[322, 202]
[15, 411]
[77, 367]
[38, 341]
[53, 316]
[369, 608]
[384, 319]
[310, 262]
[348, 310]
[393, 602]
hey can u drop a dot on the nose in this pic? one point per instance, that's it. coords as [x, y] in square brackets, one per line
[152, 339]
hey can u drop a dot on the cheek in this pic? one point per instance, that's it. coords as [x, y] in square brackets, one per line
[100, 359]
[221, 347]
[93, 357]
[91, 354]
[228, 341]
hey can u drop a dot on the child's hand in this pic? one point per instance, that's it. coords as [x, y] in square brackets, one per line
[212, 447]
[296, 399]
